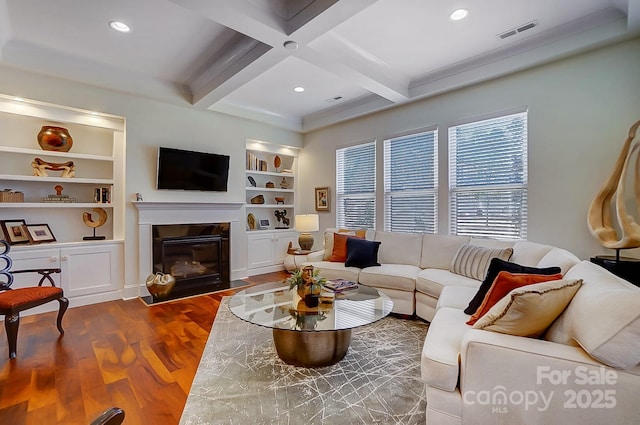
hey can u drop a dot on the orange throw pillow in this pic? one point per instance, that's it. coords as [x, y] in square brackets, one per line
[504, 283]
[339, 253]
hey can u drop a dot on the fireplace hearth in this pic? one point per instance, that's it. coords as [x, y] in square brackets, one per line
[196, 255]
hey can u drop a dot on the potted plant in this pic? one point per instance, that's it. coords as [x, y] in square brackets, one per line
[308, 283]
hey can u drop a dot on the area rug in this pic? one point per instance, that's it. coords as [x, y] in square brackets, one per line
[241, 380]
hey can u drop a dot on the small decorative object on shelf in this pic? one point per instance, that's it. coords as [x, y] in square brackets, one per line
[160, 284]
[252, 181]
[59, 197]
[88, 220]
[279, 199]
[269, 185]
[277, 162]
[139, 197]
[8, 195]
[258, 199]
[52, 138]
[251, 221]
[281, 215]
[41, 166]
[284, 184]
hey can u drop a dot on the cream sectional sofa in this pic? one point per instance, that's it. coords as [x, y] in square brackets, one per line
[414, 268]
[584, 370]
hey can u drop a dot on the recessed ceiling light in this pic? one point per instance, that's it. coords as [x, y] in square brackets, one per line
[119, 26]
[298, 89]
[290, 45]
[458, 14]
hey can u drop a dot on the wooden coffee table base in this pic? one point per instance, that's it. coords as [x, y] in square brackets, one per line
[311, 349]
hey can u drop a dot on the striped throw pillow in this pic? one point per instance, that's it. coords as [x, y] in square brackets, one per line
[473, 261]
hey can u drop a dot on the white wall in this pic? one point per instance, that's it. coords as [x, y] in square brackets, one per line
[580, 110]
[150, 124]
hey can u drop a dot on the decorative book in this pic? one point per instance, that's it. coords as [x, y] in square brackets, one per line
[339, 285]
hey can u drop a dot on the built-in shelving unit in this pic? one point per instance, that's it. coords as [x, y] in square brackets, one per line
[268, 240]
[98, 154]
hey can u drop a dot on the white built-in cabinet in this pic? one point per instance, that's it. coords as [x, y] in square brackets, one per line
[267, 237]
[92, 271]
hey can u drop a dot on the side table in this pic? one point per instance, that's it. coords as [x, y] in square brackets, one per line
[295, 258]
[624, 267]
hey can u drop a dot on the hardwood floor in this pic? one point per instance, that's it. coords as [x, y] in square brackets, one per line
[121, 353]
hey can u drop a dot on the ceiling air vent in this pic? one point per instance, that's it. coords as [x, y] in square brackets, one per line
[518, 30]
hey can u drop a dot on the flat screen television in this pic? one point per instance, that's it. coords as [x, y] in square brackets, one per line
[188, 170]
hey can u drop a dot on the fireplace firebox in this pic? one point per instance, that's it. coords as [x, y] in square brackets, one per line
[196, 255]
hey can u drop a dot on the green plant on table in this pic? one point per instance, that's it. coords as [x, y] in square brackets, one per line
[306, 276]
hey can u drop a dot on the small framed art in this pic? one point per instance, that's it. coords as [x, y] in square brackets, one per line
[322, 199]
[40, 233]
[14, 231]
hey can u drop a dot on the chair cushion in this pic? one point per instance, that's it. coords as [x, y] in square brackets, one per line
[431, 281]
[16, 300]
[393, 276]
[399, 248]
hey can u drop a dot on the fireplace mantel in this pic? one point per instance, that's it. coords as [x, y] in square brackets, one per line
[163, 212]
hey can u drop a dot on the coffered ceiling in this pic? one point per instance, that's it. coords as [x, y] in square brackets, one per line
[352, 57]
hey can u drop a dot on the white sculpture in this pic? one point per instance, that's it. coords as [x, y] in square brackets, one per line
[599, 218]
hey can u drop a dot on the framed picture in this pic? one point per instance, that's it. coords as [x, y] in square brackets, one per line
[264, 223]
[14, 231]
[40, 233]
[322, 199]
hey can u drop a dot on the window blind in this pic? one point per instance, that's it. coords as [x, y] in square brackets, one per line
[355, 186]
[488, 178]
[411, 183]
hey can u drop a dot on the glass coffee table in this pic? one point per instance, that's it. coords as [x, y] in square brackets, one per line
[310, 336]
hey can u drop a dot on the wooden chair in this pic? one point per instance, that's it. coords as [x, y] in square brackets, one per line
[13, 301]
[112, 416]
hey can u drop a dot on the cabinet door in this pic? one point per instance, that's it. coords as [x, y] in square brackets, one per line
[34, 259]
[282, 243]
[91, 269]
[260, 250]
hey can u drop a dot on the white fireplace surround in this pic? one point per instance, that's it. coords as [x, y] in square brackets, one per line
[158, 213]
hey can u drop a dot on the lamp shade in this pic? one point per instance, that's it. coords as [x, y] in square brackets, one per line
[307, 223]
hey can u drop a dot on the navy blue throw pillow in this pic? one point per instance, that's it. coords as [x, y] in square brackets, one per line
[362, 253]
[496, 266]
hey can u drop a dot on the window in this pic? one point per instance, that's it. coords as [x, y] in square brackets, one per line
[411, 183]
[356, 186]
[488, 177]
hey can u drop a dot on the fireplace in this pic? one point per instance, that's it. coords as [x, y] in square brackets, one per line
[180, 213]
[196, 255]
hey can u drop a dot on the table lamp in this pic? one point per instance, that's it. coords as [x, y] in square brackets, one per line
[306, 223]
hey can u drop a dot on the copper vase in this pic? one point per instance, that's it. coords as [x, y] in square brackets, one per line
[52, 138]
